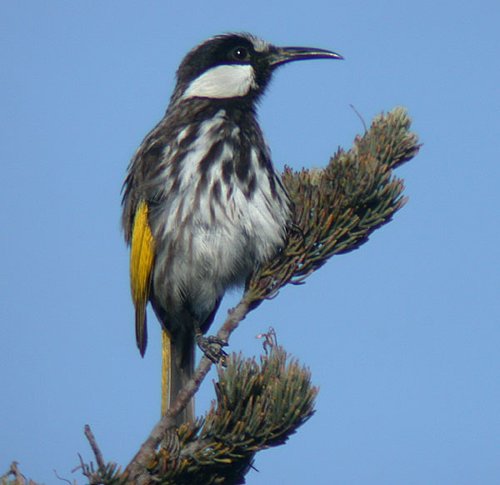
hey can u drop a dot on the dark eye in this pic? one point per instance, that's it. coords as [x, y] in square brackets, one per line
[240, 54]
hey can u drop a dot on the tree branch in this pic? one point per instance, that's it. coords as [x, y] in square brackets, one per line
[95, 448]
[136, 471]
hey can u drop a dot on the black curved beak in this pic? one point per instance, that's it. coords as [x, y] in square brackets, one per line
[289, 54]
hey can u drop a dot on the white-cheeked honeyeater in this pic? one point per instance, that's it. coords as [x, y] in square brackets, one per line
[203, 205]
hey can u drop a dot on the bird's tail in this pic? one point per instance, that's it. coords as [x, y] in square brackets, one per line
[177, 370]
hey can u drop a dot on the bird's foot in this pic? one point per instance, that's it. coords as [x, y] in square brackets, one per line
[211, 346]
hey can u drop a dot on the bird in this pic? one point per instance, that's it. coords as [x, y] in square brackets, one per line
[203, 205]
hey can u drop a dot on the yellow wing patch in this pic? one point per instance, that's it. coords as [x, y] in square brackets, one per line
[142, 250]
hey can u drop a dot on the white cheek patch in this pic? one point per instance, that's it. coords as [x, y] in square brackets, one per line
[226, 81]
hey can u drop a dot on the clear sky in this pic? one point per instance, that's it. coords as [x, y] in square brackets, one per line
[402, 336]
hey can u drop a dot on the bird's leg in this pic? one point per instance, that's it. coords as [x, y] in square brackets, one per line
[211, 347]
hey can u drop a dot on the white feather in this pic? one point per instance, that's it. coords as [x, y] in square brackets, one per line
[226, 81]
[224, 241]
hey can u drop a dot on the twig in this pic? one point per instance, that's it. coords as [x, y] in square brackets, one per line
[19, 478]
[86, 469]
[95, 448]
[359, 116]
[136, 470]
[270, 340]
[62, 478]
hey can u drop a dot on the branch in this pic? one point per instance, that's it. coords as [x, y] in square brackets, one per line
[338, 207]
[259, 405]
[17, 477]
[95, 448]
[136, 470]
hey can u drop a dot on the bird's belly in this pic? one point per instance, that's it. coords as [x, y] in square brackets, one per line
[217, 250]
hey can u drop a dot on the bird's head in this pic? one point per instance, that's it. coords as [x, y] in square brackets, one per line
[235, 66]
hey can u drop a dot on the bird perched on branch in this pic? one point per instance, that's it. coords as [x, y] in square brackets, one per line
[202, 203]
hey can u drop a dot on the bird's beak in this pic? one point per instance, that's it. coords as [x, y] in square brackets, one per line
[288, 54]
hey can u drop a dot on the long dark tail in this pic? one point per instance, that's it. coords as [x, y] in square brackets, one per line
[177, 369]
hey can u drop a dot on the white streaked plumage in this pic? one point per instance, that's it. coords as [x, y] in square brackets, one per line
[236, 234]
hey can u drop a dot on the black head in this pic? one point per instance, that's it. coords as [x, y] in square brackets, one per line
[235, 66]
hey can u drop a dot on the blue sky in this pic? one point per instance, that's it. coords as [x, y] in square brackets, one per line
[402, 336]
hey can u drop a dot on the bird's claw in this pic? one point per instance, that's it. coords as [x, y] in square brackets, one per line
[211, 346]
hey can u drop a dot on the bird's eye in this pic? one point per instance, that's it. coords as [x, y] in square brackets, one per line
[240, 54]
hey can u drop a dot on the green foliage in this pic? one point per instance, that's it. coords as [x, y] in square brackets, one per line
[338, 207]
[259, 405]
[110, 474]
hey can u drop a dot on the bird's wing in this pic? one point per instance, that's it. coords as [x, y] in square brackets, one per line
[142, 251]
